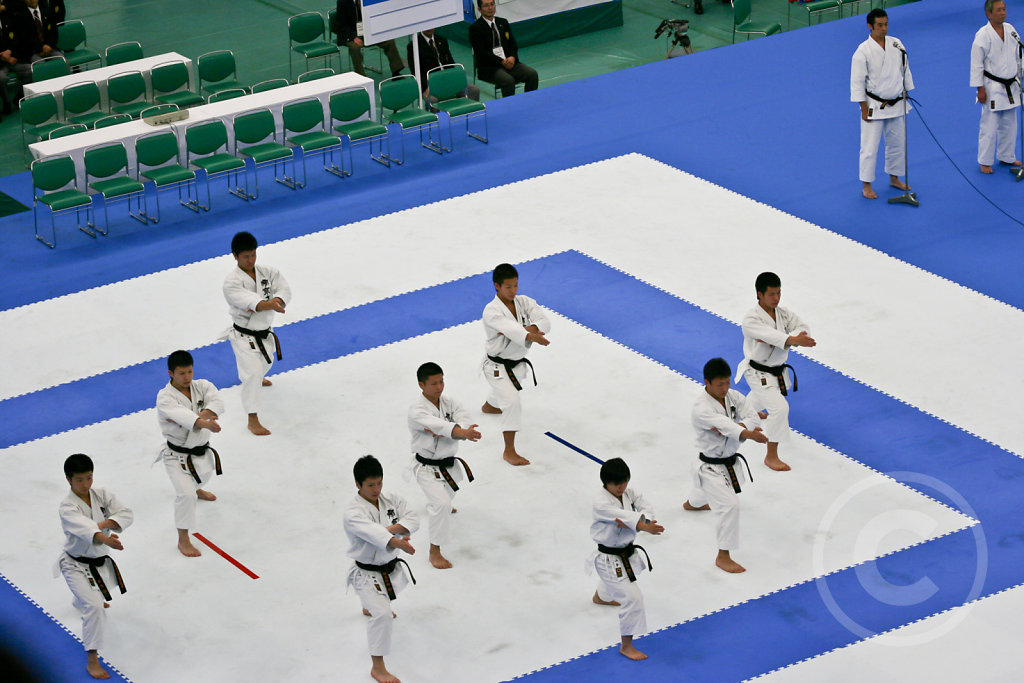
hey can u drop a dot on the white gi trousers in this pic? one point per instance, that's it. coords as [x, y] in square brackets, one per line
[185, 486]
[712, 487]
[503, 394]
[1001, 126]
[439, 502]
[765, 394]
[871, 133]
[252, 367]
[614, 584]
[88, 599]
[374, 598]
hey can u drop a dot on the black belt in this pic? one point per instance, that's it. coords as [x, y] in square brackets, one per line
[885, 102]
[730, 466]
[385, 571]
[624, 553]
[94, 568]
[1007, 83]
[443, 464]
[509, 364]
[779, 371]
[198, 450]
[260, 335]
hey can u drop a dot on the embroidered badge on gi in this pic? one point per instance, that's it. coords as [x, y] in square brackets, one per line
[618, 572]
[392, 515]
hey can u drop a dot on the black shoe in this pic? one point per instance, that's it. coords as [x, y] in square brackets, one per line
[698, 7]
[396, 73]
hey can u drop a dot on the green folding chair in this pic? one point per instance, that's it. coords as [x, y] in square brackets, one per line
[305, 120]
[82, 104]
[256, 138]
[349, 106]
[221, 95]
[106, 172]
[270, 84]
[157, 109]
[170, 82]
[158, 161]
[71, 41]
[307, 36]
[203, 142]
[112, 120]
[397, 98]
[741, 22]
[217, 72]
[123, 52]
[69, 129]
[51, 67]
[38, 119]
[126, 94]
[50, 180]
[446, 83]
[315, 74]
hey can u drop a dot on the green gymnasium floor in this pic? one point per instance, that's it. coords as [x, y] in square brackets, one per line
[256, 31]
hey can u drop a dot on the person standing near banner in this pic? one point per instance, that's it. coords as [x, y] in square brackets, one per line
[995, 72]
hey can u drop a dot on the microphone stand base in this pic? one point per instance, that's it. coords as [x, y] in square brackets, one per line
[1018, 173]
[905, 198]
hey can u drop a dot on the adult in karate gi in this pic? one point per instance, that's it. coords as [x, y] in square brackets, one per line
[188, 410]
[378, 525]
[254, 294]
[512, 324]
[876, 84]
[996, 73]
[768, 333]
[619, 514]
[89, 517]
[435, 423]
[722, 419]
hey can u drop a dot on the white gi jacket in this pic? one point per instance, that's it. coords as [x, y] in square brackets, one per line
[441, 421]
[604, 530]
[365, 525]
[880, 72]
[1000, 58]
[708, 414]
[505, 333]
[764, 339]
[243, 294]
[177, 415]
[80, 521]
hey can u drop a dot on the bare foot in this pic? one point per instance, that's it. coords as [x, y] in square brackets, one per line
[515, 459]
[489, 409]
[267, 382]
[729, 565]
[106, 605]
[1011, 163]
[687, 506]
[899, 184]
[986, 169]
[868, 192]
[366, 613]
[187, 549]
[95, 670]
[632, 653]
[774, 463]
[205, 495]
[599, 601]
[437, 560]
[256, 428]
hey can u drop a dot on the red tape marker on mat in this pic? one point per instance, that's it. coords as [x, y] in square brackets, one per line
[225, 555]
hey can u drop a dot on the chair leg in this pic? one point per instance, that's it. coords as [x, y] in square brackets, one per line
[53, 227]
[333, 168]
[156, 192]
[140, 206]
[430, 144]
[192, 188]
[239, 192]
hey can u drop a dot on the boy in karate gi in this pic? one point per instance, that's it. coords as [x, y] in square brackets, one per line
[769, 330]
[188, 410]
[512, 324]
[89, 517]
[996, 72]
[435, 424]
[720, 419]
[378, 525]
[619, 514]
[254, 293]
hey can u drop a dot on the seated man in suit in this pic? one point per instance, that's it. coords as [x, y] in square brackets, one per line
[350, 34]
[35, 35]
[434, 52]
[496, 52]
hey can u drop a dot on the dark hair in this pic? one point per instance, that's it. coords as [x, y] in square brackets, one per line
[428, 370]
[874, 15]
[243, 241]
[367, 467]
[614, 471]
[79, 463]
[715, 368]
[504, 271]
[990, 5]
[179, 359]
[766, 280]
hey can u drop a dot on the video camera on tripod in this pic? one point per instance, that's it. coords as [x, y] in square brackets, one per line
[680, 40]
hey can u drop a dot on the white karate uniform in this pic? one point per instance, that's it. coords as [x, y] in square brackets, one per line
[506, 338]
[764, 341]
[613, 582]
[243, 294]
[80, 523]
[1000, 57]
[441, 421]
[881, 72]
[177, 416]
[365, 525]
[712, 485]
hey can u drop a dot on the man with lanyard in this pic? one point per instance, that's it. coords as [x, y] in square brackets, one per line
[496, 53]
[878, 73]
[996, 72]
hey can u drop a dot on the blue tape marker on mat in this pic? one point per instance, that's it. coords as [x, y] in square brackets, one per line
[575, 448]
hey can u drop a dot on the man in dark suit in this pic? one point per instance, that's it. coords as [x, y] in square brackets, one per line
[350, 20]
[434, 52]
[496, 52]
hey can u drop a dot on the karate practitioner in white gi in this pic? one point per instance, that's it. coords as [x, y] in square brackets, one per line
[188, 410]
[254, 293]
[512, 324]
[722, 419]
[378, 525]
[89, 516]
[996, 54]
[619, 514]
[768, 333]
[877, 69]
[435, 423]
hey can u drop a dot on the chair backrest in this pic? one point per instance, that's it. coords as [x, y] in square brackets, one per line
[51, 67]
[70, 34]
[349, 105]
[447, 81]
[156, 149]
[306, 27]
[254, 127]
[315, 74]
[229, 94]
[127, 87]
[270, 84]
[398, 92]
[740, 11]
[169, 77]
[67, 130]
[53, 173]
[157, 109]
[216, 66]
[332, 22]
[81, 98]
[301, 116]
[123, 52]
[106, 160]
[38, 109]
[112, 120]
[205, 138]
